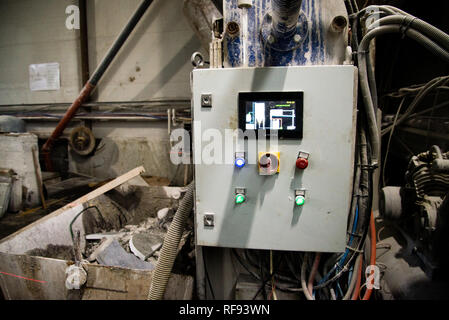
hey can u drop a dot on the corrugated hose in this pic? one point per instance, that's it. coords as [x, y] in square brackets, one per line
[169, 249]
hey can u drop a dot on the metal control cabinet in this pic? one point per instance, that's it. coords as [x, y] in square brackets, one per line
[269, 217]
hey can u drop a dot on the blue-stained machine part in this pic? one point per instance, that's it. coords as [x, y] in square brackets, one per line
[317, 44]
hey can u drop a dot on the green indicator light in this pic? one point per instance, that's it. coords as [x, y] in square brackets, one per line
[300, 200]
[239, 198]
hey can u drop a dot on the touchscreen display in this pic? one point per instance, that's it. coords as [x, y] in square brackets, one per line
[281, 111]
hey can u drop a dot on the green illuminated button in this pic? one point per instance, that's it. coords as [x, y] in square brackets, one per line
[239, 198]
[299, 200]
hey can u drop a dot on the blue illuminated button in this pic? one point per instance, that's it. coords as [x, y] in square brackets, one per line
[239, 162]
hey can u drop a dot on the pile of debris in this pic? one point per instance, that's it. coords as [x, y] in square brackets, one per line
[117, 236]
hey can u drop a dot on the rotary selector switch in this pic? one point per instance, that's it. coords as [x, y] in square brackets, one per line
[268, 163]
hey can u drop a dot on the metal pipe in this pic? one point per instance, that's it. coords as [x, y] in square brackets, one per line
[84, 42]
[92, 82]
[285, 17]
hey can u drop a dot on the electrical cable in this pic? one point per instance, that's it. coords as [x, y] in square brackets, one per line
[313, 272]
[343, 258]
[303, 279]
[369, 160]
[369, 290]
[355, 295]
[273, 290]
[76, 217]
[261, 278]
[264, 282]
[409, 21]
[353, 279]
[389, 141]
[364, 206]
[237, 256]
[364, 77]
[208, 279]
[279, 277]
[422, 93]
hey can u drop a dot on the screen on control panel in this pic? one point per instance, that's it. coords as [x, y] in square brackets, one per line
[281, 111]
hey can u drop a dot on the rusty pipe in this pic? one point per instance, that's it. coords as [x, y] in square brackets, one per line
[46, 149]
[93, 80]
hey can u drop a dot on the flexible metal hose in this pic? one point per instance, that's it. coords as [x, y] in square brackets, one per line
[169, 249]
[412, 22]
[285, 16]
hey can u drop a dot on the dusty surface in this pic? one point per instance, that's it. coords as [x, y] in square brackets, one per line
[129, 211]
[150, 224]
[55, 252]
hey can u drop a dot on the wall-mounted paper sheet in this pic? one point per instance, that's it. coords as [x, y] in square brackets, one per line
[44, 76]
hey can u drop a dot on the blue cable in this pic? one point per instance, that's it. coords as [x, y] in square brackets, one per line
[343, 258]
[339, 292]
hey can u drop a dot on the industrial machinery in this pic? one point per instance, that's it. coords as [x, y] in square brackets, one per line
[286, 146]
[418, 213]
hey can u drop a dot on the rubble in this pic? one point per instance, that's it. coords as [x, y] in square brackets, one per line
[112, 254]
[150, 225]
[144, 244]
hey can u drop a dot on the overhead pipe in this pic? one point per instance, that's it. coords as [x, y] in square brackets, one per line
[93, 81]
[285, 17]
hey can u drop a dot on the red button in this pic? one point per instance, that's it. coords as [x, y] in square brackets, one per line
[302, 163]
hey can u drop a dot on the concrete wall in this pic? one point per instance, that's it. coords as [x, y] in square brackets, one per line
[154, 62]
[33, 31]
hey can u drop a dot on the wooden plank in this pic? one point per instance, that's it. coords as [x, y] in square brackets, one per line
[38, 176]
[106, 187]
[53, 228]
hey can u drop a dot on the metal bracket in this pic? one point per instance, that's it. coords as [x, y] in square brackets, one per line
[240, 191]
[300, 192]
[240, 155]
[303, 154]
[289, 43]
[209, 220]
[206, 100]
